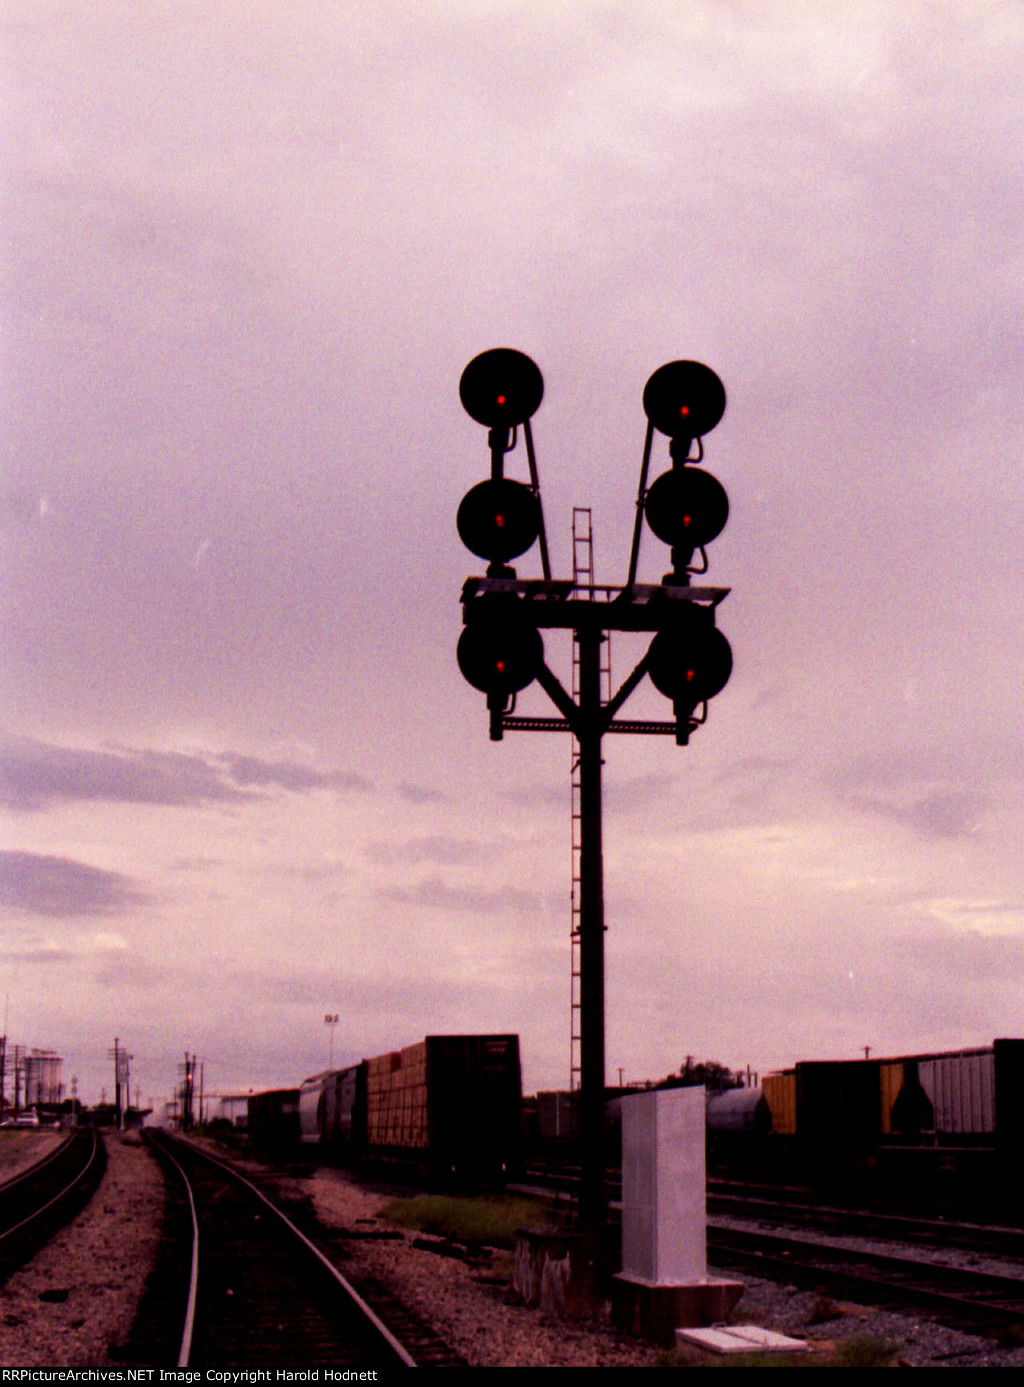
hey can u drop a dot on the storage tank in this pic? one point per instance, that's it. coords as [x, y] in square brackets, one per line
[42, 1078]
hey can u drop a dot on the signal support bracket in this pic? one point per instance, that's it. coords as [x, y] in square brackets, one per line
[555, 604]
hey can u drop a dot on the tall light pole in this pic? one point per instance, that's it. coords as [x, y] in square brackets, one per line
[501, 650]
[331, 1020]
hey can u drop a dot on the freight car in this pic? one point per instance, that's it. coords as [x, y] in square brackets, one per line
[449, 1108]
[332, 1112]
[938, 1123]
[738, 1112]
[273, 1119]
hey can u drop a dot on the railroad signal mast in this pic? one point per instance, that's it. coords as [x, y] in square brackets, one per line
[501, 650]
[186, 1092]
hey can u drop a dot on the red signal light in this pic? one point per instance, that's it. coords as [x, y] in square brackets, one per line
[501, 387]
[498, 519]
[499, 653]
[691, 660]
[687, 506]
[684, 390]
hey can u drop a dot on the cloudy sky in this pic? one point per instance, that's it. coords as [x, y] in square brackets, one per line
[247, 250]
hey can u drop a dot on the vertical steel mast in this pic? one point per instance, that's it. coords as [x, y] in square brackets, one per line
[593, 1197]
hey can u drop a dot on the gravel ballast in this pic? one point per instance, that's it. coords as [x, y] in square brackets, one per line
[77, 1298]
[477, 1318]
[76, 1301]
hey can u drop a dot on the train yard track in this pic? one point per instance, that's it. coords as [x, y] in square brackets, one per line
[968, 1299]
[895, 1204]
[43, 1198]
[990, 1240]
[258, 1291]
[912, 1262]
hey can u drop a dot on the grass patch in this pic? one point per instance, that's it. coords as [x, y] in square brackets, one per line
[863, 1351]
[490, 1219]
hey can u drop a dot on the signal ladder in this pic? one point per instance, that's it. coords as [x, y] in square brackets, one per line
[583, 580]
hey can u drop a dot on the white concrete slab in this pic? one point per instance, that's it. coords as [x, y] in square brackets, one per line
[740, 1338]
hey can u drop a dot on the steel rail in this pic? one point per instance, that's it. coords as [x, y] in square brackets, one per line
[969, 1294]
[992, 1240]
[41, 1164]
[185, 1349]
[64, 1190]
[381, 1328]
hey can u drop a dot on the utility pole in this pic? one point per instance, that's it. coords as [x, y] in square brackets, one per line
[3, 1055]
[501, 651]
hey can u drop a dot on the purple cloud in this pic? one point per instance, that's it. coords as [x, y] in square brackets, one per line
[35, 774]
[59, 886]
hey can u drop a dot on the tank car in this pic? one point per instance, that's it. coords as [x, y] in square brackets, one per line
[738, 1112]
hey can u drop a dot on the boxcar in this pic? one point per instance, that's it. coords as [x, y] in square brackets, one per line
[274, 1119]
[450, 1107]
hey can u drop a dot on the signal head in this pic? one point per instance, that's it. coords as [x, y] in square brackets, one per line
[501, 386]
[687, 507]
[690, 661]
[501, 656]
[684, 399]
[498, 519]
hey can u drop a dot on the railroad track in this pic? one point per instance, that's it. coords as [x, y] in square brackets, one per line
[899, 1205]
[559, 1179]
[39, 1201]
[802, 1208]
[986, 1239]
[969, 1299]
[259, 1292]
[966, 1297]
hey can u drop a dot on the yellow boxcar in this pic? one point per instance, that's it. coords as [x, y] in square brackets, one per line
[780, 1094]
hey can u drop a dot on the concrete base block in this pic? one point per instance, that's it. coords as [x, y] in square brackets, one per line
[654, 1313]
[559, 1271]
